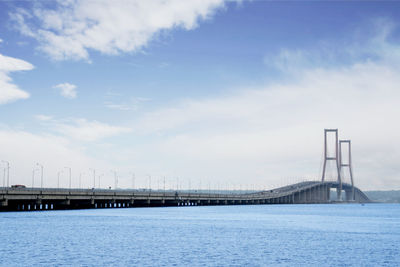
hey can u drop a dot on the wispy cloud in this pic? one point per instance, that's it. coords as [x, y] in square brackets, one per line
[10, 92]
[277, 131]
[23, 149]
[72, 28]
[132, 104]
[42, 117]
[67, 90]
[81, 129]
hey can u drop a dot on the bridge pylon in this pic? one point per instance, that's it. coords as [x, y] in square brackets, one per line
[347, 164]
[335, 157]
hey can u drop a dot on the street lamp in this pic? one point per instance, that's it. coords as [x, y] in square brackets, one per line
[94, 177]
[33, 177]
[69, 168]
[4, 177]
[41, 174]
[100, 178]
[149, 182]
[133, 180]
[164, 185]
[80, 180]
[115, 179]
[8, 171]
[58, 179]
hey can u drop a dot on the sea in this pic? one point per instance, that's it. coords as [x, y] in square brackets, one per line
[249, 235]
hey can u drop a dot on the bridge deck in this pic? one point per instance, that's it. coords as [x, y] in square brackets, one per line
[50, 198]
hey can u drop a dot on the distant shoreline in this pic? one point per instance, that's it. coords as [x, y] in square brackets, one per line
[384, 196]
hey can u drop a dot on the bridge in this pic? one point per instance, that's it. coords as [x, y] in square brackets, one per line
[313, 192]
[310, 192]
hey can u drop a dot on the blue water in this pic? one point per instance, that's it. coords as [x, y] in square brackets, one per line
[260, 235]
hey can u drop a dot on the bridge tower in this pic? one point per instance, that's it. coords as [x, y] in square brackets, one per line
[335, 157]
[347, 164]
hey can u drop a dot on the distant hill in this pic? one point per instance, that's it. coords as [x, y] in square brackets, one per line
[392, 196]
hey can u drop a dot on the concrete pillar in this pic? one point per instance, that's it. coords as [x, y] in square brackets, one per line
[321, 195]
[339, 194]
[312, 194]
[349, 195]
[328, 193]
[4, 203]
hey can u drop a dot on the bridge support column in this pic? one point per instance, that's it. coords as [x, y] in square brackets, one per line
[328, 193]
[321, 195]
[4, 203]
[349, 195]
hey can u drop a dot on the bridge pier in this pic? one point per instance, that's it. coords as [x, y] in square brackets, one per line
[349, 195]
[4, 203]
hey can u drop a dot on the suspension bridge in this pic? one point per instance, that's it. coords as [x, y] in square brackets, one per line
[310, 192]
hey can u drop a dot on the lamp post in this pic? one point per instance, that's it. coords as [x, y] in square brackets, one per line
[58, 179]
[4, 177]
[41, 174]
[80, 180]
[133, 180]
[33, 177]
[8, 171]
[115, 179]
[69, 168]
[100, 179]
[94, 177]
[149, 182]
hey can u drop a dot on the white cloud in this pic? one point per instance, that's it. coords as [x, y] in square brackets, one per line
[79, 129]
[84, 130]
[10, 92]
[1, 40]
[273, 134]
[42, 117]
[132, 104]
[72, 28]
[23, 149]
[67, 90]
[124, 107]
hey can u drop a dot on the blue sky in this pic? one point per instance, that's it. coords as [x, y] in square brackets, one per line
[207, 91]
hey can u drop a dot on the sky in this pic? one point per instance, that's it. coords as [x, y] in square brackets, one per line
[206, 93]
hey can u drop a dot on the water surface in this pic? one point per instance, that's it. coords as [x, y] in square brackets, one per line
[259, 235]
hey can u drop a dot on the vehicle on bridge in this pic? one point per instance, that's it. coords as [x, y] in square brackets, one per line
[18, 186]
